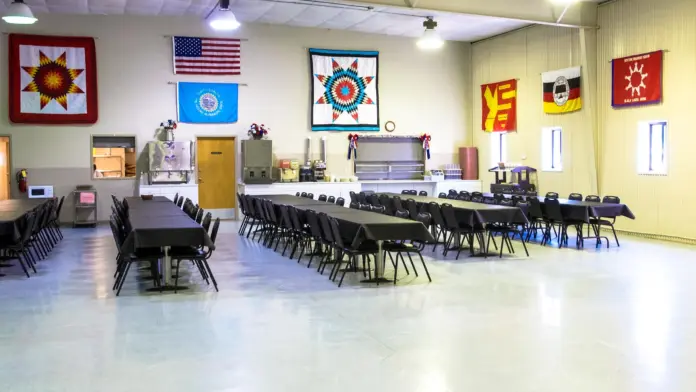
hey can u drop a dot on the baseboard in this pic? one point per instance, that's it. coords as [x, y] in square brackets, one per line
[660, 237]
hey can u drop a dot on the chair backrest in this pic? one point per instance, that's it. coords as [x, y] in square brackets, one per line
[326, 233]
[60, 207]
[323, 197]
[517, 198]
[180, 202]
[551, 195]
[373, 199]
[405, 192]
[464, 193]
[498, 196]
[365, 207]
[313, 222]
[176, 197]
[295, 219]
[28, 228]
[452, 192]
[611, 200]
[422, 193]
[353, 197]
[575, 196]
[396, 204]
[552, 209]
[476, 198]
[463, 197]
[523, 205]
[303, 194]
[194, 212]
[402, 214]
[354, 205]
[436, 213]
[216, 227]
[479, 194]
[199, 216]
[270, 211]
[593, 198]
[452, 196]
[412, 208]
[341, 202]
[490, 200]
[362, 198]
[240, 203]
[206, 221]
[442, 195]
[297, 194]
[506, 202]
[284, 216]
[310, 195]
[336, 232]
[535, 210]
[449, 216]
[331, 199]
[386, 202]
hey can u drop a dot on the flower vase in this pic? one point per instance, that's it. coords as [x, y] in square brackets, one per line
[257, 137]
[169, 135]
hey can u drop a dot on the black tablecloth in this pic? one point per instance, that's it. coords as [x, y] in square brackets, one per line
[157, 224]
[473, 213]
[292, 200]
[584, 210]
[13, 213]
[357, 226]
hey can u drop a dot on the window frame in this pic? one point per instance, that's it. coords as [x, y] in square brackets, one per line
[501, 152]
[91, 155]
[645, 162]
[548, 161]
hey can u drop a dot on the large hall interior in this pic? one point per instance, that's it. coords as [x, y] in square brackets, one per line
[339, 195]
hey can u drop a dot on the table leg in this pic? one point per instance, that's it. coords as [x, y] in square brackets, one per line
[379, 267]
[166, 270]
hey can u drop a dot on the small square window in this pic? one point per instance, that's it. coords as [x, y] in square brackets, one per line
[113, 157]
[552, 149]
[498, 148]
[652, 147]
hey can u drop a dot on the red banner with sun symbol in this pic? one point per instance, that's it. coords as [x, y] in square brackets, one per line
[637, 80]
[53, 80]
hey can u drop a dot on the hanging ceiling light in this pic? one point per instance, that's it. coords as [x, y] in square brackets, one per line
[19, 13]
[431, 38]
[223, 18]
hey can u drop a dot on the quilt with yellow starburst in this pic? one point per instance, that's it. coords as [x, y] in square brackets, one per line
[344, 90]
[53, 80]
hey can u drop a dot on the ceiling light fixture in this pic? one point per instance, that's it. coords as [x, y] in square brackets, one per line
[19, 13]
[431, 38]
[223, 18]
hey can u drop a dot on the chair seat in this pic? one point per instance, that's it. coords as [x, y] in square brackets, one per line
[399, 247]
[596, 221]
[182, 252]
[145, 254]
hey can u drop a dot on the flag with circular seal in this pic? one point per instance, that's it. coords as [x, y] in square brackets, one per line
[211, 103]
[562, 90]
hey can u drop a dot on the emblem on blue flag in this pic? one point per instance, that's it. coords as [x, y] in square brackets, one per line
[212, 103]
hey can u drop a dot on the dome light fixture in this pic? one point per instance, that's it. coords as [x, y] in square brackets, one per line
[19, 13]
[223, 18]
[431, 39]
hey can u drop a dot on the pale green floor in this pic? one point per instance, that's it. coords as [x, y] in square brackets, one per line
[621, 319]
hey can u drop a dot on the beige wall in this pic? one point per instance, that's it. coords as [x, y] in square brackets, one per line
[524, 55]
[661, 204]
[419, 91]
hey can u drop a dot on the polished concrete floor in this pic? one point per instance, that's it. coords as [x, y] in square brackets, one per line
[619, 319]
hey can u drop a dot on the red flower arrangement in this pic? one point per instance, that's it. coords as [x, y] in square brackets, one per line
[425, 139]
[353, 145]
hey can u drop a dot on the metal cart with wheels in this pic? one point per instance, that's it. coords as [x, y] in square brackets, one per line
[85, 197]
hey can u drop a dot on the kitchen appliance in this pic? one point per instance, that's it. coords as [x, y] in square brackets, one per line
[40, 191]
[306, 173]
[288, 170]
[169, 162]
[257, 161]
[319, 170]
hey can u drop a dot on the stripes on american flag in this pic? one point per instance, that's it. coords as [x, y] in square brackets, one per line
[207, 56]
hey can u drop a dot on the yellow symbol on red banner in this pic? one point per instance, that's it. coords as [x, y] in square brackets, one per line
[499, 102]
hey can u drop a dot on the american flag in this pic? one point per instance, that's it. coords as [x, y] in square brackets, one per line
[207, 56]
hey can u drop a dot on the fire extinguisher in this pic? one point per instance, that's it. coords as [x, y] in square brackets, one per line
[22, 180]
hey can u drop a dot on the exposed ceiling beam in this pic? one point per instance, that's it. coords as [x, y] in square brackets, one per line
[530, 11]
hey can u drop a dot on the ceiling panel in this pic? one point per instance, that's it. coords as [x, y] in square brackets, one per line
[381, 20]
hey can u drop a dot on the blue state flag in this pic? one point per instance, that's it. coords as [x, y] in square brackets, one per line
[212, 103]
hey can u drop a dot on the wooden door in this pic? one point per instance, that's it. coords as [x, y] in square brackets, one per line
[216, 173]
[5, 182]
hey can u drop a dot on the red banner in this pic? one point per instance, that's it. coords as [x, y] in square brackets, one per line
[53, 80]
[499, 103]
[637, 80]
